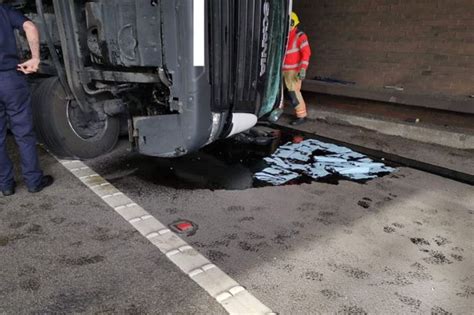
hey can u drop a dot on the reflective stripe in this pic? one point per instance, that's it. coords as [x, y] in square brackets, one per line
[295, 65]
[301, 114]
[295, 44]
[292, 51]
[295, 48]
[289, 67]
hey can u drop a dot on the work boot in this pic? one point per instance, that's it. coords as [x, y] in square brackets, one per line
[8, 191]
[298, 121]
[46, 181]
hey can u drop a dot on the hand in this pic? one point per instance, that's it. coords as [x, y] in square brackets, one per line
[30, 66]
[302, 74]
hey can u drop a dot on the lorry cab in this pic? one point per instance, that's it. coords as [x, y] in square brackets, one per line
[180, 73]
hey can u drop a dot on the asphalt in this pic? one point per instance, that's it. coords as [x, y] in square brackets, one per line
[64, 251]
[395, 245]
[398, 244]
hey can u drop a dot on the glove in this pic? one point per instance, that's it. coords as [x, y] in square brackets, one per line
[302, 74]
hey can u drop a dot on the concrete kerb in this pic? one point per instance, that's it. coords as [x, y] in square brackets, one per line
[418, 133]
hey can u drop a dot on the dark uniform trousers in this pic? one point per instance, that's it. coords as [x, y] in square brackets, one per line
[15, 106]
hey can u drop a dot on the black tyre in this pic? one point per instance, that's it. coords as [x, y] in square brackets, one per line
[65, 129]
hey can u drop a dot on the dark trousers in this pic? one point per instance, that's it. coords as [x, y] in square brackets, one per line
[15, 105]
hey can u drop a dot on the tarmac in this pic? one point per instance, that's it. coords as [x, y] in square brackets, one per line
[398, 244]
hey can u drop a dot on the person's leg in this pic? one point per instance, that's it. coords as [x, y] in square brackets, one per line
[301, 108]
[6, 166]
[290, 83]
[294, 87]
[17, 101]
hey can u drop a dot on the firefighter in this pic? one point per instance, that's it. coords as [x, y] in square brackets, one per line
[15, 103]
[294, 71]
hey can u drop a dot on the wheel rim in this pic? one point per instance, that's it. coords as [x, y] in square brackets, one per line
[88, 127]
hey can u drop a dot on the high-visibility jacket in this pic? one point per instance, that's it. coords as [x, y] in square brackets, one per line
[298, 52]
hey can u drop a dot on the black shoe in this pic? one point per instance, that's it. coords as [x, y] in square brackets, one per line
[9, 191]
[298, 121]
[46, 181]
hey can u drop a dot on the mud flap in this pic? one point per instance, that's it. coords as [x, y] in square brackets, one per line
[159, 136]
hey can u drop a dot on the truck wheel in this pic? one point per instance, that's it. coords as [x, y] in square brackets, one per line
[65, 129]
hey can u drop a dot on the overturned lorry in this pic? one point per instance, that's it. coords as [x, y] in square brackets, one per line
[176, 74]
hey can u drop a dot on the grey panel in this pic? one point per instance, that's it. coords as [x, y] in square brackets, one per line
[124, 32]
[160, 135]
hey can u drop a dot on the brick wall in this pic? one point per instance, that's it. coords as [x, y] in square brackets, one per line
[426, 46]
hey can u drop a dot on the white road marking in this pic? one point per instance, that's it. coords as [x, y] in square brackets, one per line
[232, 296]
[199, 32]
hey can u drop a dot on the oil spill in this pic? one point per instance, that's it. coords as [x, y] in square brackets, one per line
[172, 210]
[17, 225]
[82, 261]
[134, 310]
[364, 204]
[331, 294]
[231, 237]
[217, 256]
[215, 244]
[419, 241]
[298, 224]
[439, 311]
[414, 304]
[305, 207]
[235, 209]
[283, 237]
[437, 258]
[30, 285]
[398, 225]
[397, 278]
[418, 266]
[467, 292]
[26, 270]
[389, 229]
[58, 220]
[72, 302]
[351, 272]
[312, 275]
[441, 241]
[227, 164]
[246, 219]
[246, 246]
[6, 240]
[103, 234]
[324, 217]
[35, 229]
[352, 310]
[288, 268]
[457, 257]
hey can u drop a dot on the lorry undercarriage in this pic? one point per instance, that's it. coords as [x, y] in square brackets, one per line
[181, 74]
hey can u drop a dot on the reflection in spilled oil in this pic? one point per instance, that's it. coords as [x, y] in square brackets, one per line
[228, 164]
